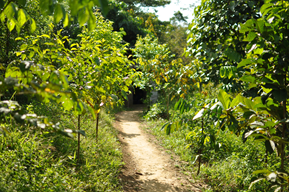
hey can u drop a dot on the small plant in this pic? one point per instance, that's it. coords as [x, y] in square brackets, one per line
[156, 111]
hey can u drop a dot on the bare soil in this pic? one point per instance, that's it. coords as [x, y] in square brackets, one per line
[148, 168]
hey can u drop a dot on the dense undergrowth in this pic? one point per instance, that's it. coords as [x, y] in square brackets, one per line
[33, 160]
[227, 168]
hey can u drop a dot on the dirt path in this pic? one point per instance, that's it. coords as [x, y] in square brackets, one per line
[147, 167]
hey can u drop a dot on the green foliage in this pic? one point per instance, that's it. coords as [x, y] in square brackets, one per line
[159, 71]
[16, 16]
[227, 162]
[264, 67]
[42, 161]
[175, 37]
[127, 21]
[214, 39]
[156, 111]
[80, 77]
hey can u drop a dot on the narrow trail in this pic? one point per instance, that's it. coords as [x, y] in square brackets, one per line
[147, 168]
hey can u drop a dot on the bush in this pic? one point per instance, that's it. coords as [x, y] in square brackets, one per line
[156, 111]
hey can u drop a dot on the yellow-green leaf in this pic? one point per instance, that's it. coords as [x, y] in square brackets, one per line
[58, 13]
[11, 24]
[32, 25]
[83, 16]
[10, 11]
[21, 17]
[66, 20]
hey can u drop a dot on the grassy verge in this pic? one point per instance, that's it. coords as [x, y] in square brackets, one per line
[33, 160]
[229, 165]
[228, 170]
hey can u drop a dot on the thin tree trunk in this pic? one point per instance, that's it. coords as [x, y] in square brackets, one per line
[200, 151]
[97, 127]
[79, 138]
[199, 160]
[167, 113]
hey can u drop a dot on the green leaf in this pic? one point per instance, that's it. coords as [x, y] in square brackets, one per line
[83, 16]
[59, 13]
[23, 56]
[248, 78]
[2, 17]
[238, 99]
[264, 171]
[11, 24]
[124, 95]
[66, 20]
[168, 129]
[82, 132]
[224, 98]
[228, 71]
[10, 10]
[250, 37]
[67, 104]
[91, 22]
[260, 24]
[222, 72]
[177, 104]
[23, 47]
[21, 17]
[259, 51]
[164, 126]
[245, 62]
[32, 25]
[247, 26]
[265, 8]
[182, 107]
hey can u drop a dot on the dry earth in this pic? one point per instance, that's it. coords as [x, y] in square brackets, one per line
[148, 168]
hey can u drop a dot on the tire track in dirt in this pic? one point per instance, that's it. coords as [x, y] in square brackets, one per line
[147, 168]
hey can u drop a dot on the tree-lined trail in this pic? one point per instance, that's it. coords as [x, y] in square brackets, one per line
[147, 168]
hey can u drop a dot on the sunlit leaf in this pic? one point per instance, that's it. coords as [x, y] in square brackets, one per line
[66, 20]
[224, 98]
[32, 25]
[255, 181]
[11, 24]
[250, 37]
[83, 16]
[199, 114]
[58, 13]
